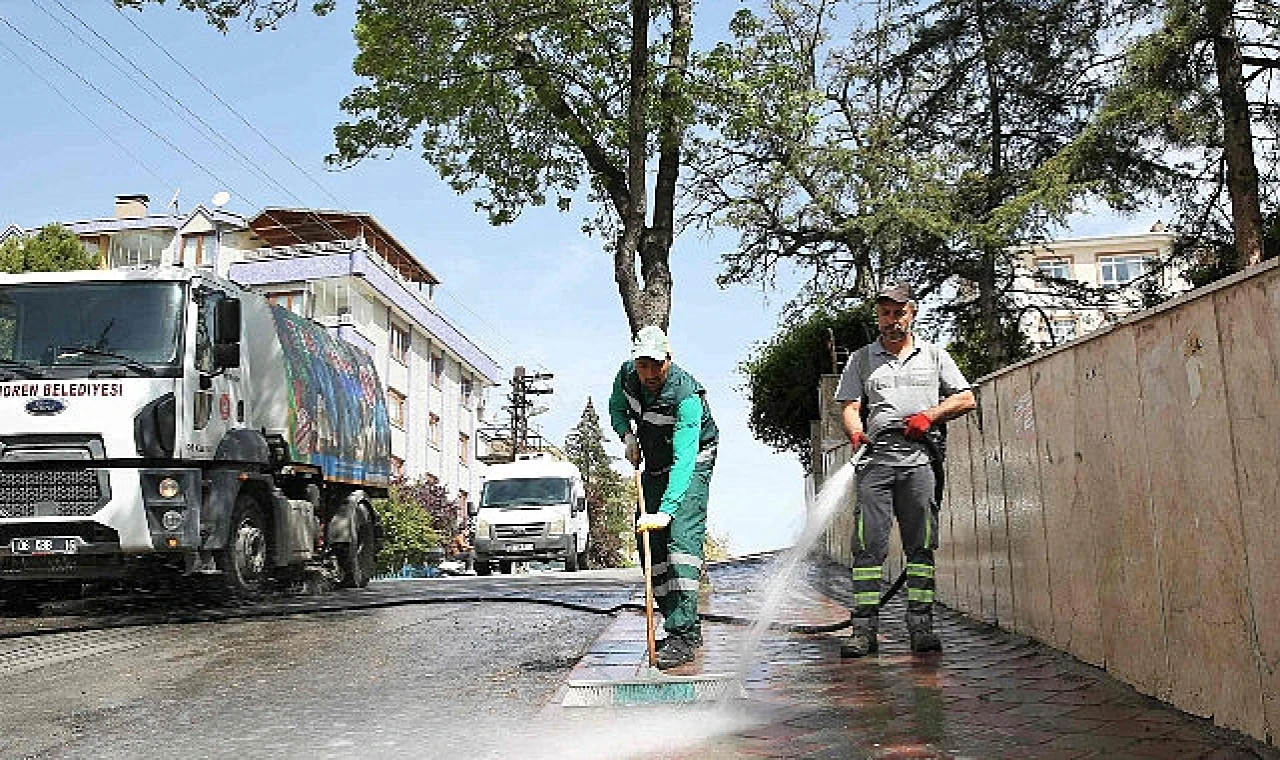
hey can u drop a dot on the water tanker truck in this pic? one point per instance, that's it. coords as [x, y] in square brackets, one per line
[166, 421]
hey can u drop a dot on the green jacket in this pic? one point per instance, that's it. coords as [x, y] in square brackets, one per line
[675, 429]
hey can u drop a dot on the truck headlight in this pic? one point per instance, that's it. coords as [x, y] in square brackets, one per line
[557, 526]
[482, 528]
[168, 488]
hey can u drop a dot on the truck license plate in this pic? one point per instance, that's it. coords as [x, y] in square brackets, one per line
[520, 547]
[57, 545]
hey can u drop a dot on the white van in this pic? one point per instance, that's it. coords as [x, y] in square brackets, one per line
[534, 508]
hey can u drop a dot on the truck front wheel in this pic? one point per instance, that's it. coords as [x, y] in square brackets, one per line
[245, 562]
[357, 558]
[483, 566]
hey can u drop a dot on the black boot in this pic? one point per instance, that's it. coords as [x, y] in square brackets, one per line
[862, 641]
[920, 626]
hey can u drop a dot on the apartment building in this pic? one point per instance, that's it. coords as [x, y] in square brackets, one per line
[1112, 266]
[346, 271]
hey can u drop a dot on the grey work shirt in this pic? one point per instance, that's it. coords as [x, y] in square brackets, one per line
[896, 389]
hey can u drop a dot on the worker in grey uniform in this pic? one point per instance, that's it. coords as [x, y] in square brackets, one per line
[909, 386]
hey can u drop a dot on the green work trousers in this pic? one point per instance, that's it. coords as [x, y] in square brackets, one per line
[677, 551]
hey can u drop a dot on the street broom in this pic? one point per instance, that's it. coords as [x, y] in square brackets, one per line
[652, 686]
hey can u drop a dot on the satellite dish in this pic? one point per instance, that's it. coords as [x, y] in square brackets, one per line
[221, 198]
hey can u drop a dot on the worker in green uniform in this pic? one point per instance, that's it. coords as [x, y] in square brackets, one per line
[661, 413]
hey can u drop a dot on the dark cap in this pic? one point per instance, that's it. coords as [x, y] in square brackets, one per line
[896, 291]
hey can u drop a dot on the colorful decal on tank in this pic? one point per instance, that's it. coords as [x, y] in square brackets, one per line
[337, 411]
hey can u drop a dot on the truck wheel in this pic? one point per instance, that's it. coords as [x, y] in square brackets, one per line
[246, 560]
[571, 560]
[504, 566]
[582, 560]
[357, 558]
[483, 567]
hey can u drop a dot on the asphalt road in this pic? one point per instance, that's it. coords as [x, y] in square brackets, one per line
[401, 672]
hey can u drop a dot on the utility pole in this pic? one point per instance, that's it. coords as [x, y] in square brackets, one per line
[523, 385]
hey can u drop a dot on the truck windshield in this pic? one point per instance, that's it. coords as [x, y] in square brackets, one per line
[41, 324]
[516, 492]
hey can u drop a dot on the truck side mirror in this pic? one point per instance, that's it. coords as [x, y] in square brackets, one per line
[226, 333]
[226, 355]
[226, 321]
[579, 504]
[472, 509]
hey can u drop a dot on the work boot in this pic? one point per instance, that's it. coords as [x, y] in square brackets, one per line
[923, 639]
[862, 641]
[675, 651]
[694, 640]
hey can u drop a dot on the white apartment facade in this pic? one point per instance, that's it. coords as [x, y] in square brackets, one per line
[1111, 263]
[347, 272]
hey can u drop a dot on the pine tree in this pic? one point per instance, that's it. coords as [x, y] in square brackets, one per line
[607, 504]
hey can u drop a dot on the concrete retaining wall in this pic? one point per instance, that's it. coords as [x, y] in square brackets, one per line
[1119, 499]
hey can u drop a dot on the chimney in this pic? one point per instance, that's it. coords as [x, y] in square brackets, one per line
[131, 206]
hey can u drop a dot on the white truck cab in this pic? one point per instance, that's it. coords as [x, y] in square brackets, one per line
[534, 508]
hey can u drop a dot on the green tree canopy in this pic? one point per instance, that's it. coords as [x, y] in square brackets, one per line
[903, 139]
[53, 249]
[783, 374]
[520, 101]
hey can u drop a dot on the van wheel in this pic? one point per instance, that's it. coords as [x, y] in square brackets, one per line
[483, 567]
[357, 558]
[582, 561]
[246, 561]
[504, 566]
[571, 557]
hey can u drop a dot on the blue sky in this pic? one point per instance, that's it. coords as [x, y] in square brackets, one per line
[537, 293]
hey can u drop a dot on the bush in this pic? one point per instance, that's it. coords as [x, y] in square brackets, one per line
[416, 517]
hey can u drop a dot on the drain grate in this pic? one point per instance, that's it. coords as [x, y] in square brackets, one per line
[24, 655]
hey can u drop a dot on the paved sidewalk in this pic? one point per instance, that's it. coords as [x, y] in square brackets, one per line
[990, 694]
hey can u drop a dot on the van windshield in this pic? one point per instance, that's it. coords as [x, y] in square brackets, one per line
[519, 492]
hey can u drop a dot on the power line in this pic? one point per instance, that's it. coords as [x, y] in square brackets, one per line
[14, 54]
[227, 105]
[192, 118]
[110, 100]
[211, 130]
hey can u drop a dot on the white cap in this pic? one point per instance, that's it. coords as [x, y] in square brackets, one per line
[651, 342]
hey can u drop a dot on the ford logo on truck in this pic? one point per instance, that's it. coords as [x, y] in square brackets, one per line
[45, 406]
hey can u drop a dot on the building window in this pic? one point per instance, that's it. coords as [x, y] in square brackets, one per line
[1055, 267]
[396, 407]
[464, 449]
[397, 467]
[1122, 270]
[433, 430]
[437, 369]
[1064, 329]
[132, 248]
[399, 344]
[289, 299]
[197, 250]
[468, 392]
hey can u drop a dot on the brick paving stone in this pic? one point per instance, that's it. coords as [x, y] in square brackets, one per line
[1167, 749]
[989, 695]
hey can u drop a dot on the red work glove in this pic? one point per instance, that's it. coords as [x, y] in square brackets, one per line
[858, 440]
[917, 425]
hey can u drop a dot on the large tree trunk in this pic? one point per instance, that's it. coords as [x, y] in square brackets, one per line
[650, 303]
[1242, 172]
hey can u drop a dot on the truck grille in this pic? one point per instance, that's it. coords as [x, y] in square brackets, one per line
[529, 530]
[48, 493]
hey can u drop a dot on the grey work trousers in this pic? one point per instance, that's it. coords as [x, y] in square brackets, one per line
[886, 493]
